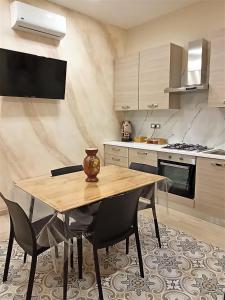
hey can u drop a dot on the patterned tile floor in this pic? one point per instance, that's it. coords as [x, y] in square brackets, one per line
[184, 269]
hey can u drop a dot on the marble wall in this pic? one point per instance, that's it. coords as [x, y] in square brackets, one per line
[195, 122]
[38, 135]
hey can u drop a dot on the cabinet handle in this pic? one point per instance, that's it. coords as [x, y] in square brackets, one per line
[169, 156]
[142, 153]
[181, 158]
[115, 149]
[115, 159]
[150, 105]
[125, 106]
[217, 165]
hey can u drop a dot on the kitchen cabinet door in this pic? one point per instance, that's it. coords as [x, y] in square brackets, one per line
[217, 70]
[143, 157]
[210, 187]
[126, 82]
[115, 155]
[160, 68]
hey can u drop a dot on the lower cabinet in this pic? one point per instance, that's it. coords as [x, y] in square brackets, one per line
[116, 160]
[210, 187]
[122, 156]
[143, 157]
[117, 156]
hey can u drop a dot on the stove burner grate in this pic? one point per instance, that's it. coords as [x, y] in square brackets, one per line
[187, 147]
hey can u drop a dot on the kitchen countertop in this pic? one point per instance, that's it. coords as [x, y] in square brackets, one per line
[159, 148]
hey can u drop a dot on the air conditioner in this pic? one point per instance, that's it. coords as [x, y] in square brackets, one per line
[29, 18]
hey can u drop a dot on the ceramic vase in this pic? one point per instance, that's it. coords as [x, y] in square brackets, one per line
[91, 165]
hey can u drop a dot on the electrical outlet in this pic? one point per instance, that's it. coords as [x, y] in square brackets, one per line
[155, 126]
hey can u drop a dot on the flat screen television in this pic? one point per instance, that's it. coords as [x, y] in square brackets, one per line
[27, 75]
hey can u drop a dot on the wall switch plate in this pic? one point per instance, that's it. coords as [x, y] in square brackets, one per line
[155, 126]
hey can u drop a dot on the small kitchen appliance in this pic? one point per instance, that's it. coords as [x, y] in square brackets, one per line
[126, 131]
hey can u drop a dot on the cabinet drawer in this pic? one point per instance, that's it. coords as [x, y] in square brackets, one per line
[116, 160]
[114, 150]
[143, 157]
[187, 159]
[210, 187]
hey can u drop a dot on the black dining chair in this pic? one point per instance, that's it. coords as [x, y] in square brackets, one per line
[149, 193]
[26, 235]
[115, 220]
[83, 214]
[67, 170]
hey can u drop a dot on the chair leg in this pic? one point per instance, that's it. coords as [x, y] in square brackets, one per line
[25, 257]
[71, 253]
[80, 256]
[65, 270]
[107, 250]
[156, 225]
[8, 256]
[97, 271]
[139, 252]
[56, 252]
[127, 245]
[31, 277]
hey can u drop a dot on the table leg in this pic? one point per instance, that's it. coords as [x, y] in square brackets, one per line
[31, 210]
[66, 256]
[155, 221]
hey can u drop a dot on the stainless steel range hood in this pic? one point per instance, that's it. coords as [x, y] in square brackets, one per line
[197, 68]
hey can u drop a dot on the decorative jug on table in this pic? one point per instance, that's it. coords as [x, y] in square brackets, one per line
[91, 164]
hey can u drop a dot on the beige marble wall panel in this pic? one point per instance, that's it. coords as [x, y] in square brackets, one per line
[38, 135]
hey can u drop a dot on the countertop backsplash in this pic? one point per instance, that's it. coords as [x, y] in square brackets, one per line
[194, 122]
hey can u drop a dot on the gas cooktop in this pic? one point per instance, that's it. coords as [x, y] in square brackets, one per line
[187, 147]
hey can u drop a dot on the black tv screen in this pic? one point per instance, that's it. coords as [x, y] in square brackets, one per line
[27, 75]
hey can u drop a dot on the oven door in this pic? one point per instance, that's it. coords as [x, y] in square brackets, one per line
[181, 177]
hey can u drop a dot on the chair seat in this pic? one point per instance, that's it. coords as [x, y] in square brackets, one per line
[51, 234]
[143, 205]
[79, 227]
[85, 215]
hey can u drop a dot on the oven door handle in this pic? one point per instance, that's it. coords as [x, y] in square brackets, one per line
[174, 165]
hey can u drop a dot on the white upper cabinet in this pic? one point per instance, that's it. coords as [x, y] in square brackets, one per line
[126, 82]
[141, 78]
[217, 70]
[160, 68]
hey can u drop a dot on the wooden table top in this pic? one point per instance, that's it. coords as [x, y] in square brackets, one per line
[69, 191]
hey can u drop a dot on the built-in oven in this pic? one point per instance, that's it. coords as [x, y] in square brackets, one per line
[180, 171]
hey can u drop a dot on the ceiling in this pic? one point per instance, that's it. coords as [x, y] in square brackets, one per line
[125, 13]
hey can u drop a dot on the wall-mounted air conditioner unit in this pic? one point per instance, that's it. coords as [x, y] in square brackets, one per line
[29, 18]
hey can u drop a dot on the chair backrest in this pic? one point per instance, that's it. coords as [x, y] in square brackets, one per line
[148, 191]
[21, 226]
[66, 170]
[143, 168]
[116, 216]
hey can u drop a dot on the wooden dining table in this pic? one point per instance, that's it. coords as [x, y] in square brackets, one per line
[66, 192]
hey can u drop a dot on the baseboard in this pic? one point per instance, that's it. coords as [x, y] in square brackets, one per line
[191, 211]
